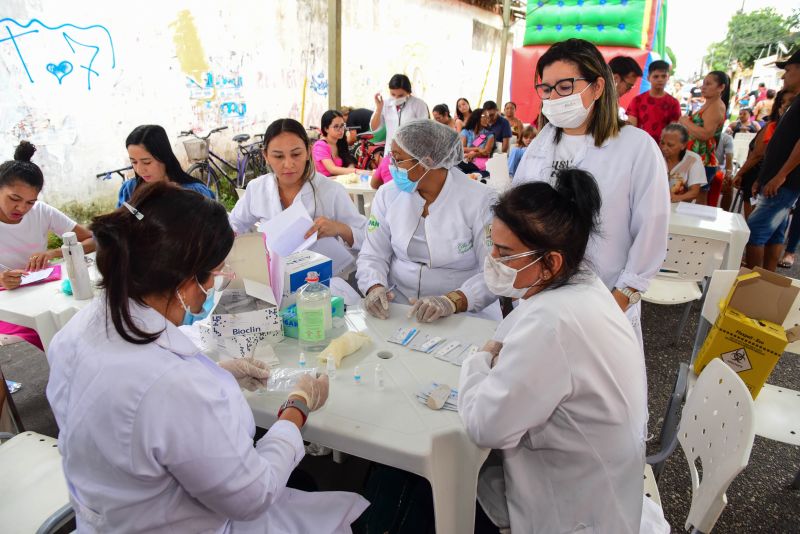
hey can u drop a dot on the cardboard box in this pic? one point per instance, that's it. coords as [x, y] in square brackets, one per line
[289, 316]
[748, 334]
[246, 312]
[295, 268]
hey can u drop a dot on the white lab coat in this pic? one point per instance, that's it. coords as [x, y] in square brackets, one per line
[322, 197]
[158, 438]
[458, 232]
[566, 404]
[414, 108]
[634, 217]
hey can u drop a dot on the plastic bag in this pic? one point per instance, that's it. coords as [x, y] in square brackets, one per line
[284, 380]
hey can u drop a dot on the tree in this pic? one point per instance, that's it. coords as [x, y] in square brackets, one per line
[750, 35]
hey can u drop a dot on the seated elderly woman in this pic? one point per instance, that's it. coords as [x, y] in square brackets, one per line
[685, 168]
[429, 230]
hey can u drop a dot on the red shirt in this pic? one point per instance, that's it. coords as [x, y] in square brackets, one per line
[652, 114]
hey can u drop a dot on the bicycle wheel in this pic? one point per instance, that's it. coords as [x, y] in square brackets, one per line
[206, 175]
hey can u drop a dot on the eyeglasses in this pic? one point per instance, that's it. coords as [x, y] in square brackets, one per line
[339, 127]
[393, 161]
[227, 273]
[504, 259]
[563, 87]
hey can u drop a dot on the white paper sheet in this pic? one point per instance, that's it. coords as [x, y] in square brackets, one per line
[286, 231]
[36, 276]
[332, 248]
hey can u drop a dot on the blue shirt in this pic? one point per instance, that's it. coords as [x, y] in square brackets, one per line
[514, 158]
[470, 136]
[126, 191]
[501, 129]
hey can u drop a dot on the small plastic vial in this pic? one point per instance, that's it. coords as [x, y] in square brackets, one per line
[301, 361]
[331, 367]
[357, 375]
[379, 376]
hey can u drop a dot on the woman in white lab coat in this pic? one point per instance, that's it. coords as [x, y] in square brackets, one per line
[560, 390]
[287, 150]
[429, 230]
[400, 108]
[579, 108]
[155, 436]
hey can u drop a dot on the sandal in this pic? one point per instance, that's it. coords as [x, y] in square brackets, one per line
[786, 263]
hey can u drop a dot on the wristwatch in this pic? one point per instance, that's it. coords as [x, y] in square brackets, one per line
[295, 403]
[457, 299]
[632, 295]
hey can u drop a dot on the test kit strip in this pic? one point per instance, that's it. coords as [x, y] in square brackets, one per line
[448, 347]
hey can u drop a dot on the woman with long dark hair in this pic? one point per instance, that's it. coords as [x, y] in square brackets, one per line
[153, 160]
[580, 127]
[293, 178]
[463, 111]
[705, 126]
[478, 142]
[330, 152]
[155, 436]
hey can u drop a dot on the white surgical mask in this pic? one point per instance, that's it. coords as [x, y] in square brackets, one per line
[500, 277]
[400, 100]
[566, 112]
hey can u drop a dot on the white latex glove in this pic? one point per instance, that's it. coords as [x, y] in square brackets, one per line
[429, 309]
[493, 347]
[377, 302]
[250, 373]
[313, 390]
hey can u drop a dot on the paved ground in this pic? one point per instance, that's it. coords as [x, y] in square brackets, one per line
[759, 500]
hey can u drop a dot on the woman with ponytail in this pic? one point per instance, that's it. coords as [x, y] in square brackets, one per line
[560, 390]
[705, 126]
[25, 222]
[155, 436]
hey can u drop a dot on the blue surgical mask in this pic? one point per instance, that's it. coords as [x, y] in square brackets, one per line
[401, 179]
[208, 305]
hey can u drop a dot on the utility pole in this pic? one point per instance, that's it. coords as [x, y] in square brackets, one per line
[334, 54]
[503, 50]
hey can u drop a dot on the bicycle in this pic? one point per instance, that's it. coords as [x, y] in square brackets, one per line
[368, 155]
[210, 168]
[107, 175]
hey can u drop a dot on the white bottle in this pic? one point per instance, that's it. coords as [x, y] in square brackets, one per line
[77, 271]
[313, 314]
[379, 376]
[330, 366]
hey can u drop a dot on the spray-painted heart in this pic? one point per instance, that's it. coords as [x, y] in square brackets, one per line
[60, 70]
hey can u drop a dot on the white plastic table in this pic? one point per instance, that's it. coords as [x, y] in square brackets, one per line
[42, 307]
[728, 227]
[361, 193]
[391, 426]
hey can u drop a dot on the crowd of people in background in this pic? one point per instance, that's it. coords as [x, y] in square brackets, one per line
[442, 242]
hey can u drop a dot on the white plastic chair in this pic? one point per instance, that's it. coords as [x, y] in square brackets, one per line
[689, 261]
[717, 428]
[497, 166]
[33, 491]
[741, 146]
[777, 409]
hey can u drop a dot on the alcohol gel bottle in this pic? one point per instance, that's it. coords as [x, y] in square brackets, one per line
[313, 314]
[77, 271]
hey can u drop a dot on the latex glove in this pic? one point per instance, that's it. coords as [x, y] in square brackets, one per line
[251, 374]
[377, 302]
[429, 309]
[313, 390]
[342, 346]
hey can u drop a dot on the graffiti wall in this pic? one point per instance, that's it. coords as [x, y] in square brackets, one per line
[79, 76]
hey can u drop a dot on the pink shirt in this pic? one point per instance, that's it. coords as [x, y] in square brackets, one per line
[382, 171]
[322, 151]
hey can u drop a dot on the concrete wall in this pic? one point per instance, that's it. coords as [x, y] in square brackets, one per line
[78, 76]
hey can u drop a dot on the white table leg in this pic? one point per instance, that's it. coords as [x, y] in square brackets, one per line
[453, 474]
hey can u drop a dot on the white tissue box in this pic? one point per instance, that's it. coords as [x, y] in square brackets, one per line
[244, 316]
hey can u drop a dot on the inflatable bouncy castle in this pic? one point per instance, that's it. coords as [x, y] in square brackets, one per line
[634, 28]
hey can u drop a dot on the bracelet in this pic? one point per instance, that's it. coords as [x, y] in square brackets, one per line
[303, 395]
